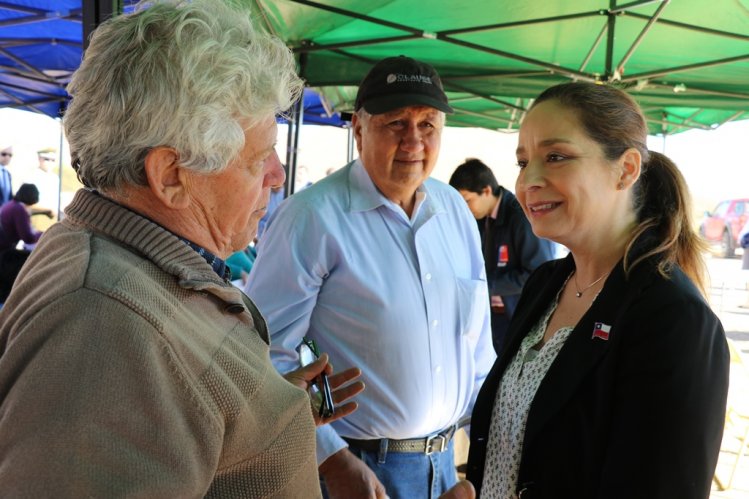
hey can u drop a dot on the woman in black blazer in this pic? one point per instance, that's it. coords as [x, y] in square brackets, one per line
[614, 380]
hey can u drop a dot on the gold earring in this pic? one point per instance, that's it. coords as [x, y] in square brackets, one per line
[620, 186]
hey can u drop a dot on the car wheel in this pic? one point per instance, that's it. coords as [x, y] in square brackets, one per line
[726, 245]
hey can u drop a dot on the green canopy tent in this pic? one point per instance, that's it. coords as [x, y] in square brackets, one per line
[685, 61]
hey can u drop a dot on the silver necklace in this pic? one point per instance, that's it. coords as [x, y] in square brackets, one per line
[579, 292]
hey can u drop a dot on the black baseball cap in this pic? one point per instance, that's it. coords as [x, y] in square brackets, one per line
[398, 82]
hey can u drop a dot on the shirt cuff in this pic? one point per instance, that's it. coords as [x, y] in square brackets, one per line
[328, 443]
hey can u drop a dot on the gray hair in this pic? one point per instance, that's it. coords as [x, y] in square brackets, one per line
[189, 75]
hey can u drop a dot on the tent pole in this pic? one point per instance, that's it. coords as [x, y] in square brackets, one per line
[664, 131]
[610, 41]
[686, 67]
[638, 40]
[295, 125]
[292, 144]
[350, 145]
[95, 12]
[692, 27]
[59, 173]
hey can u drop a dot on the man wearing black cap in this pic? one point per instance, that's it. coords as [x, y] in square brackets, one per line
[382, 266]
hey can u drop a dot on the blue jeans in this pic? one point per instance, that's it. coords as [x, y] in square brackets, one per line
[411, 475]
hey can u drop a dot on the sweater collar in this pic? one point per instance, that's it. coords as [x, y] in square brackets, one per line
[159, 245]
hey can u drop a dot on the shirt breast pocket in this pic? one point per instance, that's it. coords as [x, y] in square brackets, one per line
[473, 304]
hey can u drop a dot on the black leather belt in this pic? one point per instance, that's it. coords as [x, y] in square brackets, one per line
[427, 445]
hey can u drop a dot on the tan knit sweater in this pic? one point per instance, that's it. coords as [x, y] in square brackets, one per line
[128, 368]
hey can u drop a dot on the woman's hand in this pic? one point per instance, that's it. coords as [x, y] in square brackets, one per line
[340, 386]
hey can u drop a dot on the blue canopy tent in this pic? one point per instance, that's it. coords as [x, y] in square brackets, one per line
[40, 46]
[310, 109]
[317, 112]
[42, 43]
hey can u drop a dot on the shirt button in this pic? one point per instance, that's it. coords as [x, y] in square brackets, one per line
[428, 276]
[435, 323]
[438, 369]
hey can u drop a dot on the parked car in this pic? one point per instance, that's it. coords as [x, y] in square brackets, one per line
[721, 227]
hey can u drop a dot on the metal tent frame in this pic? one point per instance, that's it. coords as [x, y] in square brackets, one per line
[685, 61]
[497, 88]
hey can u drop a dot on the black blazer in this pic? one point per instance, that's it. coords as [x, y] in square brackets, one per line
[637, 415]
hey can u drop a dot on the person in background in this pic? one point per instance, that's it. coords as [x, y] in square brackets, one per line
[511, 250]
[15, 218]
[303, 179]
[129, 365]
[614, 379]
[743, 242]
[240, 262]
[11, 262]
[276, 196]
[46, 180]
[15, 226]
[6, 181]
[381, 266]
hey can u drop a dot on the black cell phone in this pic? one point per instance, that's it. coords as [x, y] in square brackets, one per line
[308, 353]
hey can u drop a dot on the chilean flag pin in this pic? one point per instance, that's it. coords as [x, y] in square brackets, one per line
[601, 330]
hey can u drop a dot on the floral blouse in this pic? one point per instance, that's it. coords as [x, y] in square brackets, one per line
[510, 413]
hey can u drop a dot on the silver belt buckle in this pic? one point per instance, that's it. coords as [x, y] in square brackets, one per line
[435, 443]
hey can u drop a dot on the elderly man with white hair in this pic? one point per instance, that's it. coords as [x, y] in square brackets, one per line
[129, 364]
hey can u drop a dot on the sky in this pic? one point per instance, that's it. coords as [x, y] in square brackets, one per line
[27, 132]
[715, 163]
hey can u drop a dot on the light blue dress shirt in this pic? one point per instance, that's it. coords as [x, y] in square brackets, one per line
[403, 299]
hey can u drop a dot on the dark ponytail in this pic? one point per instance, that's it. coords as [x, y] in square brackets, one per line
[664, 229]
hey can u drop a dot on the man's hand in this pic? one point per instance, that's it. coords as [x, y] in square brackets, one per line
[346, 476]
[340, 386]
[461, 490]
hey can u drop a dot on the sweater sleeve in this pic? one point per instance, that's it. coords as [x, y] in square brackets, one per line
[95, 405]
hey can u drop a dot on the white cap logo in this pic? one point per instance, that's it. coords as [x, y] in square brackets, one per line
[401, 78]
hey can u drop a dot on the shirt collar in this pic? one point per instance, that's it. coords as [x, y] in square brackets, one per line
[217, 264]
[495, 211]
[364, 195]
